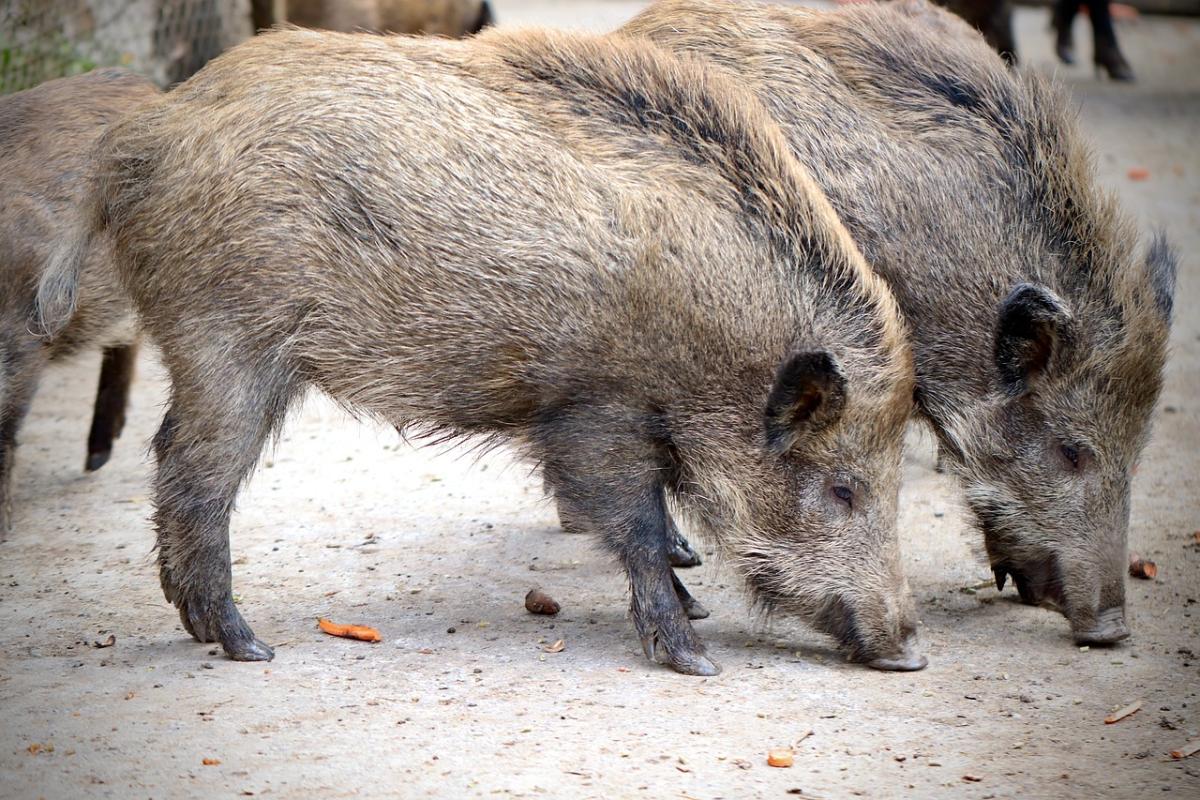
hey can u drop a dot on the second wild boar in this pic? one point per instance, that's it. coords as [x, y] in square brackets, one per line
[1039, 329]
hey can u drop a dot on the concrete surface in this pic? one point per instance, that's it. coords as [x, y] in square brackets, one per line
[345, 521]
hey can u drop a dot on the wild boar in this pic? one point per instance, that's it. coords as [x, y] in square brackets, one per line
[581, 246]
[453, 18]
[46, 136]
[1039, 332]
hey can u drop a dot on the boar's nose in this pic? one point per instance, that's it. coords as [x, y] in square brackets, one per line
[1109, 628]
[908, 660]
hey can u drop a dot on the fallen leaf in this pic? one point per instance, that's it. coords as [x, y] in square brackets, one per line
[1122, 713]
[781, 757]
[109, 642]
[972, 778]
[1138, 174]
[557, 647]
[360, 632]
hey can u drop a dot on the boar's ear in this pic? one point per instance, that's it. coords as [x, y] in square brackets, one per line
[1032, 322]
[809, 394]
[1162, 264]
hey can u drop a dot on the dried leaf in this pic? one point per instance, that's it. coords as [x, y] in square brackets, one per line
[1191, 748]
[1122, 713]
[109, 642]
[557, 647]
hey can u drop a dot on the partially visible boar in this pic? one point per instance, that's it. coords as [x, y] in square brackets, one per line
[578, 245]
[452, 18]
[46, 137]
[1039, 332]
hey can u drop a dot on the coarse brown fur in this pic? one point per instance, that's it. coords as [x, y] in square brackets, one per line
[580, 245]
[452, 18]
[46, 137]
[1039, 333]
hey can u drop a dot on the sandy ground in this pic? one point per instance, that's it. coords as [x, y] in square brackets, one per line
[437, 550]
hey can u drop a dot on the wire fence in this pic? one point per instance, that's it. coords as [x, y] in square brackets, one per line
[167, 40]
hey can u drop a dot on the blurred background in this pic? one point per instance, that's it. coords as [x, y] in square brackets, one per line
[168, 40]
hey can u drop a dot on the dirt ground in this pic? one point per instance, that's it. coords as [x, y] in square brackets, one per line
[437, 550]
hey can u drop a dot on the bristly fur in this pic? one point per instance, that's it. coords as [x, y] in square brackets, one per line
[580, 245]
[961, 179]
[46, 137]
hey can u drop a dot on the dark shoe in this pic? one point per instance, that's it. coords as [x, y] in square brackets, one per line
[1111, 60]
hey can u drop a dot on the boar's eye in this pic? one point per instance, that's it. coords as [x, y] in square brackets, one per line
[845, 494]
[1071, 455]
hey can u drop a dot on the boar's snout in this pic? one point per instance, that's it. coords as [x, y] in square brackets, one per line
[1109, 628]
[877, 635]
[1044, 583]
[908, 660]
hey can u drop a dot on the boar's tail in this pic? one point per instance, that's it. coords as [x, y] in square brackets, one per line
[58, 289]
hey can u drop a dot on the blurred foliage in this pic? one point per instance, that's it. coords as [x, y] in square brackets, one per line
[22, 67]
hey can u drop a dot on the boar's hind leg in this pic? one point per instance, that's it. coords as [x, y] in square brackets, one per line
[209, 441]
[108, 419]
[19, 373]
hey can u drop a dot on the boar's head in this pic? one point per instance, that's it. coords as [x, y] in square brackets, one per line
[1048, 462]
[803, 494]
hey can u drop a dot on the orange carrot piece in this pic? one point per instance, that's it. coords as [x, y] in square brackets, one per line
[361, 632]
[1191, 748]
[1121, 714]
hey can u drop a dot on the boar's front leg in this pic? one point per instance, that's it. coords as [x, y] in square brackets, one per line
[682, 554]
[691, 606]
[210, 439]
[606, 475]
[108, 419]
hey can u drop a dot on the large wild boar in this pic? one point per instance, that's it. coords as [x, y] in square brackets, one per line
[1039, 331]
[581, 246]
[46, 136]
[453, 18]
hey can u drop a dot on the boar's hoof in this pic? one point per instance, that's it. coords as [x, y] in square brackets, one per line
[683, 661]
[223, 623]
[691, 606]
[1109, 628]
[694, 608]
[909, 662]
[683, 554]
[97, 460]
